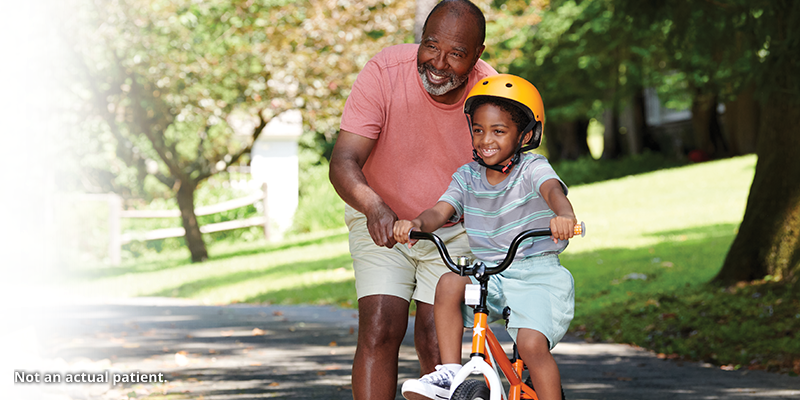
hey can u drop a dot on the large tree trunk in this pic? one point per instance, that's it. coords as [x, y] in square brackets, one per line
[194, 239]
[768, 242]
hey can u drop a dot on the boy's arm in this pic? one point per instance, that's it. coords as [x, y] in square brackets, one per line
[562, 225]
[428, 221]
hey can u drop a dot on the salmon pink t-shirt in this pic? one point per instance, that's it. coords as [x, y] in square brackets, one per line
[420, 142]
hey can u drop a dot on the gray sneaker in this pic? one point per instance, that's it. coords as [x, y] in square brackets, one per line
[433, 386]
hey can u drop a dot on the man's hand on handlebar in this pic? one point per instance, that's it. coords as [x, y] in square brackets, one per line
[402, 228]
[379, 223]
[563, 227]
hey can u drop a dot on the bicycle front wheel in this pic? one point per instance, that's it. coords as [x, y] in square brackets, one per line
[471, 390]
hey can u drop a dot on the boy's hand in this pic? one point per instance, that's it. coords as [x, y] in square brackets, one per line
[562, 227]
[401, 229]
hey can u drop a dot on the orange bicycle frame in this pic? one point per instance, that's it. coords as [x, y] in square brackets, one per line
[482, 336]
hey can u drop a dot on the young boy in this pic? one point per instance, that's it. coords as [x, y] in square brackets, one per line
[503, 192]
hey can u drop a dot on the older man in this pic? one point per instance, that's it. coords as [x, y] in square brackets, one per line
[403, 134]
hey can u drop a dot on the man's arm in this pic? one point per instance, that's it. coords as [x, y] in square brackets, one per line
[349, 155]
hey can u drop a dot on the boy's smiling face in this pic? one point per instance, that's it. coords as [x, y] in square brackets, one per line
[494, 135]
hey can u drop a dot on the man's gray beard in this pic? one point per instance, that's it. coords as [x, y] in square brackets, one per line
[454, 82]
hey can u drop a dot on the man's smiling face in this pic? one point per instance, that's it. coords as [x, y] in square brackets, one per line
[449, 50]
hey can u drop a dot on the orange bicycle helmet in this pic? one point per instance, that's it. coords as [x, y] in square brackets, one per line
[519, 92]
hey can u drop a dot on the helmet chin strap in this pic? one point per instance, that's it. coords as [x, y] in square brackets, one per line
[498, 167]
[514, 160]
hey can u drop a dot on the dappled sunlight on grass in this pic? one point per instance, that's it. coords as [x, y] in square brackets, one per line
[341, 293]
[634, 212]
[189, 280]
[607, 276]
[245, 285]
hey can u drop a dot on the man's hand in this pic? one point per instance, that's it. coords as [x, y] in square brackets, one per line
[380, 222]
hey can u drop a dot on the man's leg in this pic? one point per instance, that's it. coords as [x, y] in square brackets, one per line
[425, 339]
[382, 322]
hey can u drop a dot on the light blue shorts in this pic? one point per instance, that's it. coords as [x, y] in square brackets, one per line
[540, 293]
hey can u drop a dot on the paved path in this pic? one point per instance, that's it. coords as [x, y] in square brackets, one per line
[252, 352]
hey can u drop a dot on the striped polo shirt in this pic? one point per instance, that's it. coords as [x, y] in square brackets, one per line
[495, 214]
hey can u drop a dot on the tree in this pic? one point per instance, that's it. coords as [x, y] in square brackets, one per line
[588, 63]
[178, 91]
[593, 54]
[768, 242]
[765, 52]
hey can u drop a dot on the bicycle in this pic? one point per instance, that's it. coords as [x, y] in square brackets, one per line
[483, 339]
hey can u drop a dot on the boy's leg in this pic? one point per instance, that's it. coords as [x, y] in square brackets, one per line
[449, 330]
[535, 352]
[447, 312]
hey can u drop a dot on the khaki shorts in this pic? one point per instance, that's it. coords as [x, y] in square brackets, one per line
[400, 271]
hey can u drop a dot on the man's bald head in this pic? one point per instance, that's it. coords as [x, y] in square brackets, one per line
[461, 9]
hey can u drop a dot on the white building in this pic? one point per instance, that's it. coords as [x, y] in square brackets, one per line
[274, 161]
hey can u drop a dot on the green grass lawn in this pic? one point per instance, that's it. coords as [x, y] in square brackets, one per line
[653, 243]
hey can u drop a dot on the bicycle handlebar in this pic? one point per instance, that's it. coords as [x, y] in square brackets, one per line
[480, 269]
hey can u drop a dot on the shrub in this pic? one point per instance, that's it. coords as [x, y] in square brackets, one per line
[588, 170]
[320, 208]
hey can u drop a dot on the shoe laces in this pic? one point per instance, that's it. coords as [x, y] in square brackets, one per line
[442, 377]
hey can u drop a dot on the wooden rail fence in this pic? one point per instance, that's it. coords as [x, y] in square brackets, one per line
[117, 238]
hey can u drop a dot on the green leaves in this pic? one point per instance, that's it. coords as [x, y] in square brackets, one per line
[166, 77]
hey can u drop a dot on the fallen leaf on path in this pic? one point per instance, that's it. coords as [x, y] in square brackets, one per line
[258, 332]
[320, 373]
[181, 359]
[274, 384]
[332, 344]
[277, 313]
[226, 333]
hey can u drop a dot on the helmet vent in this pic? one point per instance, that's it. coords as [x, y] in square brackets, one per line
[509, 85]
[485, 82]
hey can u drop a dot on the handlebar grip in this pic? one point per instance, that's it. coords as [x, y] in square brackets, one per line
[580, 229]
